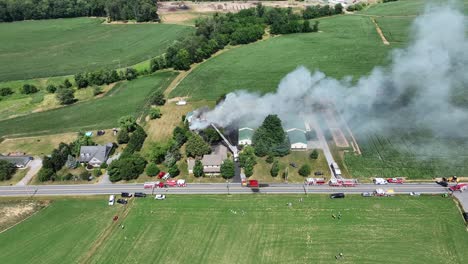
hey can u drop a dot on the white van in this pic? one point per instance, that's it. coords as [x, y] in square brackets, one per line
[380, 181]
[111, 200]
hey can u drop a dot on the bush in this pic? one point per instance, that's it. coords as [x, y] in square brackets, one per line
[157, 98]
[65, 96]
[123, 136]
[154, 113]
[128, 123]
[152, 170]
[130, 74]
[45, 174]
[67, 83]
[29, 89]
[270, 159]
[51, 88]
[5, 91]
[97, 90]
[104, 166]
[68, 177]
[314, 154]
[85, 175]
[274, 169]
[198, 169]
[305, 170]
[174, 171]
[97, 172]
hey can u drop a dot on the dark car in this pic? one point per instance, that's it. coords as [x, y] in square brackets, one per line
[122, 201]
[126, 194]
[442, 183]
[140, 194]
[337, 195]
[293, 165]
[318, 173]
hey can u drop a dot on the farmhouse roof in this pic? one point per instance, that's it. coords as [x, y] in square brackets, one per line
[297, 136]
[246, 133]
[87, 153]
[217, 157]
[18, 161]
[294, 124]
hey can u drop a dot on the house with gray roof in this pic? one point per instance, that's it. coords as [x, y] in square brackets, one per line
[20, 162]
[211, 162]
[95, 155]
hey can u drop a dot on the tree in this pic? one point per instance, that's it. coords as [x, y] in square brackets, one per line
[247, 160]
[270, 159]
[82, 140]
[137, 138]
[305, 170]
[6, 170]
[248, 170]
[130, 74]
[196, 146]
[81, 80]
[154, 113]
[45, 174]
[274, 169]
[182, 60]
[306, 26]
[157, 98]
[65, 96]
[315, 28]
[84, 175]
[128, 123]
[198, 169]
[270, 138]
[210, 135]
[5, 91]
[314, 154]
[227, 169]
[67, 83]
[158, 152]
[338, 9]
[28, 89]
[51, 88]
[174, 171]
[152, 170]
[179, 135]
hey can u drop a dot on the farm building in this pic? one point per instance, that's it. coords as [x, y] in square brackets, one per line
[95, 155]
[211, 162]
[18, 161]
[245, 136]
[298, 140]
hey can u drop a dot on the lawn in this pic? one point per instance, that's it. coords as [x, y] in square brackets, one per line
[126, 98]
[44, 48]
[242, 229]
[261, 65]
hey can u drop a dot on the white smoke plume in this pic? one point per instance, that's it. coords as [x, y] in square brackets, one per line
[414, 90]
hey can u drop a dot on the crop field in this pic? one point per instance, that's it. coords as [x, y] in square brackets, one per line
[260, 66]
[124, 99]
[241, 229]
[412, 156]
[405, 7]
[45, 48]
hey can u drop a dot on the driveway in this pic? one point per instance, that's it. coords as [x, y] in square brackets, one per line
[463, 198]
[34, 166]
[105, 177]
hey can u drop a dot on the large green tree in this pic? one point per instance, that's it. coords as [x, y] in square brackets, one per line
[196, 146]
[198, 169]
[227, 169]
[270, 138]
[65, 95]
[128, 122]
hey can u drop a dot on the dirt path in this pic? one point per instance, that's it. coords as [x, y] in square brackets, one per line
[379, 31]
[107, 233]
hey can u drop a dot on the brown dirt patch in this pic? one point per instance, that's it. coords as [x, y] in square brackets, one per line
[13, 212]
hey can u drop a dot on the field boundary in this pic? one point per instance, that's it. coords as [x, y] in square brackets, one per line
[379, 31]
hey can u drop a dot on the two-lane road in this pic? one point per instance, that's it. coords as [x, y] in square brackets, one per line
[216, 188]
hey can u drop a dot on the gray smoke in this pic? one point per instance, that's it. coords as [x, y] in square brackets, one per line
[414, 90]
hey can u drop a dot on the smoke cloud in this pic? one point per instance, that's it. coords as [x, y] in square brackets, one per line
[414, 90]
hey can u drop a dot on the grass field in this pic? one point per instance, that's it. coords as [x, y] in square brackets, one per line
[124, 99]
[260, 66]
[409, 155]
[242, 229]
[406, 7]
[45, 48]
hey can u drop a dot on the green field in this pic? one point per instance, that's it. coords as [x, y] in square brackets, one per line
[45, 48]
[407, 7]
[124, 99]
[242, 229]
[260, 66]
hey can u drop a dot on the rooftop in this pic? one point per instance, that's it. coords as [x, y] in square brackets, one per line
[87, 153]
[245, 133]
[297, 136]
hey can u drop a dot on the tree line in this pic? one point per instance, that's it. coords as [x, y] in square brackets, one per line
[139, 10]
[317, 11]
[214, 33]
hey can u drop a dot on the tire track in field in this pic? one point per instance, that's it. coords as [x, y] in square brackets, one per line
[106, 234]
[379, 31]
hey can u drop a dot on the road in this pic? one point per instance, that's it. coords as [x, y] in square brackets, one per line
[215, 188]
[34, 167]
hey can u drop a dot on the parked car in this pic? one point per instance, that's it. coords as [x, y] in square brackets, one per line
[126, 194]
[166, 176]
[380, 181]
[111, 199]
[140, 194]
[293, 165]
[398, 180]
[367, 194]
[318, 173]
[337, 195]
[160, 197]
[122, 201]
